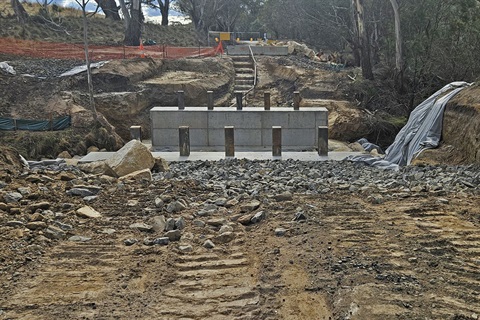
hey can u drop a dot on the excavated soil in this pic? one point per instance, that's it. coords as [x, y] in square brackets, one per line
[461, 131]
[409, 258]
[461, 125]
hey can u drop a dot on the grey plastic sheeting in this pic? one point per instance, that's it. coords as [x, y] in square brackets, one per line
[422, 131]
[35, 125]
[82, 68]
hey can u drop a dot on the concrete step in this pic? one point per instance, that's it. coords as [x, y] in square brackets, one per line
[243, 64]
[241, 58]
[243, 70]
[243, 87]
[244, 82]
[244, 76]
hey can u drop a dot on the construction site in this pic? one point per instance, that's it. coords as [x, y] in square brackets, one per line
[212, 182]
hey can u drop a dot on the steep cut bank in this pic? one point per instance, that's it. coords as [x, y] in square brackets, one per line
[460, 142]
[461, 125]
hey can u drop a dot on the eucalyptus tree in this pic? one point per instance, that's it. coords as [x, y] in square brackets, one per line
[133, 22]
[109, 8]
[83, 5]
[218, 15]
[19, 11]
[163, 6]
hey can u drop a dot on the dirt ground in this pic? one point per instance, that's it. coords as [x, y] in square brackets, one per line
[411, 257]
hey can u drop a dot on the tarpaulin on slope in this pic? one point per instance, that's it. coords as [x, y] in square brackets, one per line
[422, 131]
[35, 125]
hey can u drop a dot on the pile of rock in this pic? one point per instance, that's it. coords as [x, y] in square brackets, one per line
[236, 177]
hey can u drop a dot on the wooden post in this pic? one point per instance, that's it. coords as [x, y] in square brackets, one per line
[210, 100]
[323, 141]
[229, 141]
[277, 141]
[184, 140]
[266, 100]
[136, 133]
[239, 97]
[181, 100]
[296, 100]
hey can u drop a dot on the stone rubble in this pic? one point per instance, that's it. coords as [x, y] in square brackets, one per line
[240, 178]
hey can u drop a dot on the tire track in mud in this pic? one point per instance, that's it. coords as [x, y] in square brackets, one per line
[212, 285]
[104, 279]
[74, 277]
[405, 262]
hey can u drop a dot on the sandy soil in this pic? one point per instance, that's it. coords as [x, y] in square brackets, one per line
[407, 258]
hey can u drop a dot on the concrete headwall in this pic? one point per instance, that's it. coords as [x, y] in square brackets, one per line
[253, 127]
[257, 50]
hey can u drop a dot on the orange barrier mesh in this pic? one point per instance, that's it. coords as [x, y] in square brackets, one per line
[43, 49]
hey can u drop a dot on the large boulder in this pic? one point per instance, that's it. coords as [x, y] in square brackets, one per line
[11, 161]
[97, 167]
[134, 156]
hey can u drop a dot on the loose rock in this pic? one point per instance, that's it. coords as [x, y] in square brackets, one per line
[140, 226]
[88, 212]
[251, 206]
[259, 216]
[209, 244]
[159, 223]
[173, 235]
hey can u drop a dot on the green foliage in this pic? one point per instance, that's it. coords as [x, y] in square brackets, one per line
[441, 39]
[321, 24]
[38, 145]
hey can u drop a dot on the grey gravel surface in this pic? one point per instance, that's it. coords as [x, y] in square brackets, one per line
[278, 177]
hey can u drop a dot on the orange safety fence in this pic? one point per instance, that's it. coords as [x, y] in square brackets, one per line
[43, 49]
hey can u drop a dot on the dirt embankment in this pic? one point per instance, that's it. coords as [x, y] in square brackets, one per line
[125, 91]
[460, 142]
[461, 125]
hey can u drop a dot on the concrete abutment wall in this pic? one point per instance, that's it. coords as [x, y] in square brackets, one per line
[252, 127]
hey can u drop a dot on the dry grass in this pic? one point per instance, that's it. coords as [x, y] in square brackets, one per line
[67, 27]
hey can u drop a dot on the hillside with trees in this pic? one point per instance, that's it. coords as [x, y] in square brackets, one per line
[406, 48]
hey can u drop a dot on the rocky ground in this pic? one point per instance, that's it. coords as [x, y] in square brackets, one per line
[239, 239]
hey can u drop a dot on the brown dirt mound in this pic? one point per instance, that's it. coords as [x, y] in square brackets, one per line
[461, 132]
[10, 161]
[461, 124]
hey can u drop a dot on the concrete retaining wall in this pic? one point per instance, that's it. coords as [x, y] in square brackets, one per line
[253, 127]
[257, 50]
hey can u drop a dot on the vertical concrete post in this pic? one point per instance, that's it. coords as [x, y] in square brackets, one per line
[209, 100]
[181, 99]
[229, 141]
[276, 141]
[323, 140]
[239, 97]
[266, 100]
[296, 100]
[184, 140]
[136, 133]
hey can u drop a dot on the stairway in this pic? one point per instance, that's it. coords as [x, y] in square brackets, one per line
[244, 73]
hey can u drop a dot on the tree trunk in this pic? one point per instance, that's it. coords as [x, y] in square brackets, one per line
[164, 7]
[355, 39]
[126, 14]
[109, 7]
[87, 62]
[366, 63]
[19, 10]
[398, 38]
[134, 28]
